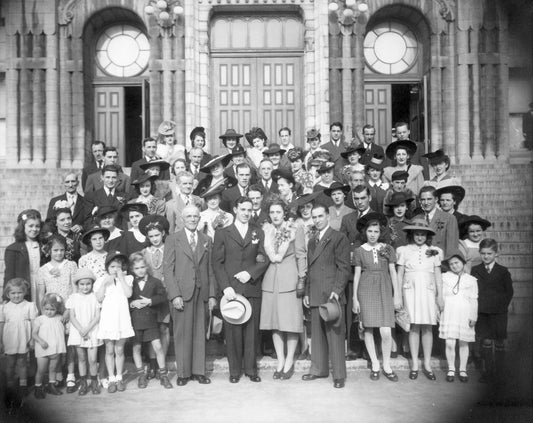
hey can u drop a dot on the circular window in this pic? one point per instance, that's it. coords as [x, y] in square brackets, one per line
[122, 51]
[390, 48]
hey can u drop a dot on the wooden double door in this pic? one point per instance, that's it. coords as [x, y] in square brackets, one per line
[257, 91]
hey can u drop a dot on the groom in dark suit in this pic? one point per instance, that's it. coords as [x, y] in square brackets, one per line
[328, 272]
[239, 261]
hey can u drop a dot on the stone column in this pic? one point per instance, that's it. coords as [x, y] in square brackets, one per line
[462, 89]
[52, 102]
[38, 112]
[167, 78]
[359, 77]
[13, 111]
[449, 98]
[476, 94]
[78, 105]
[65, 92]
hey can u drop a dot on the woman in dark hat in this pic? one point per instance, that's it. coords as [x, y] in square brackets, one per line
[399, 203]
[419, 278]
[133, 240]
[230, 139]
[257, 140]
[95, 239]
[109, 218]
[145, 189]
[305, 179]
[400, 152]
[378, 188]
[376, 293]
[352, 154]
[326, 173]
[337, 192]
[286, 186]
[213, 217]
[473, 227]
[440, 163]
[449, 198]
[197, 137]
[215, 175]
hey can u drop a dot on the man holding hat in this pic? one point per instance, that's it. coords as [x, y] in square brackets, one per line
[328, 260]
[239, 262]
[190, 284]
[371, 148]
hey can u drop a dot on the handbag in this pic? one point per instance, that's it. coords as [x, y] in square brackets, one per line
[402, 319]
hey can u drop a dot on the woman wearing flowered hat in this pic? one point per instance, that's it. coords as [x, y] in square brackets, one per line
[167, 147]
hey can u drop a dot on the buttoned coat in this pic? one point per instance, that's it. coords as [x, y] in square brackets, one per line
[146, 317]
[173, 209]
[82, 209]
[447, 232]
[495, 289]
[184, 269]
[94, 182]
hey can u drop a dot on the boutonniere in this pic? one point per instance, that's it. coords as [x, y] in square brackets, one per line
[385, 251]
[120, 199]
[312, 231]
[430, 252]
[440, 225]
[255, 237]
[61, 204]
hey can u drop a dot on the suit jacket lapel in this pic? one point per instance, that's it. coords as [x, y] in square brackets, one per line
[200, 247]
[320, 247]
[186, 247]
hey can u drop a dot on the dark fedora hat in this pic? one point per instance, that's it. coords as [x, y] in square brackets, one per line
[153, 221]
[214, 161]
[238, 150]
[143, 178]
[353, 149]
[335, 186]
[457, 191]
[274, 149]
[363, 220]
[255, 132]
[163, 165]
[400, 175]
[93, 230]
[468, 220]
[283, 173]
[230, 133]
[398, 198]
[410, 146]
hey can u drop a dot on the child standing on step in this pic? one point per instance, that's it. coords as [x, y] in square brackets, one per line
[459, 291]
[147, 293]
[495, 293]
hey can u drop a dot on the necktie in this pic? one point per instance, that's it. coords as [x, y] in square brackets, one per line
[488, 268]
[100, 164]
[187, 200]
[157, 256]
[427, 218]
[71, 203]
[193, 241]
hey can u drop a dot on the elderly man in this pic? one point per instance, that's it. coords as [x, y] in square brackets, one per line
[95, 180]
[328, 260]
[181, 198]
[190, 286]
[80, 208]
[96, 163]
[239, 261]
[266, 182]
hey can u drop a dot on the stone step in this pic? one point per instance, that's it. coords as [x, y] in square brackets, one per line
[517, 261]
[524, 275]
[516, 248]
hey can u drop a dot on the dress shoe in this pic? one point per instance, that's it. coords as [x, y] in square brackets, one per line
[201, 379]
[338, 383]
[52, 389]
[23, 391]
[182, 381]
[61, 383]
[413, 374]
[310, 376]
[288, 374]
[151, 373]
[463, 376]
[95, 387]
[254, 378]
[394, 354]
[277, 375]
[83, 388]
[374, 375]
[429, 374]
[165, 382]
[304, 355]
[450, 376]
[39, 392]
[351, 356]
[121, 386]
[71, 386]
[234, 379]
[143, 381]
[393, 377]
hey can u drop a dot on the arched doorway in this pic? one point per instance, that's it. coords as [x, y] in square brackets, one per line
[397, 64]
[116, 58]
[256, 73]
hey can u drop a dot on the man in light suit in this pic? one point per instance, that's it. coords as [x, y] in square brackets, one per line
[335, 147]
[239, 262]
[444, 224]
[80, 208]
[183, 197]
[95, 180]
[191, 289]
[328, 260]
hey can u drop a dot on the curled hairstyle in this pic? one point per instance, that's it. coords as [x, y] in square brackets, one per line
[16, 283]
[152, 187]
[410, 237]
[276, 202]
[19, 234]
[179, 159]
[373, 222]
[57, 239]
[55, 301]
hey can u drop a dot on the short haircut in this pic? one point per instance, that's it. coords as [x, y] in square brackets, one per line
[70, 173]
[256, 188]
[335, 124]
[195, 149]
[148, 139]
[243, 166]
[319, 205]
[361, 188]
[98, 142]
[489, 243]
[136, 258]
[110, 168]
[190, 207]
[284, 129]
[427, 188]
[369, 126]
[242, 200]
[16, 283]
[111, 148]
[184, 173]
[400, 124]
[266, 159]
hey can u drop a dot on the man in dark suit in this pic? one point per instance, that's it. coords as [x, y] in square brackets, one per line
[95, 181]
[238, 156]
[328, 260]
[361, 199]
[149, 149]
[266, 182]
[109, 194]
[259, 216]
[230, 195]
[96, 163]
[196, 162]
[371, 148]
[239, 261]
[80, 208]
[190, 285]
[335, 147]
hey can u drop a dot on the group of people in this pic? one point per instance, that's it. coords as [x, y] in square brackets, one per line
[321, 248]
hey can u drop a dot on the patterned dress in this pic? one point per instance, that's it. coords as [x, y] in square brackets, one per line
[375, 286]
[57, 278]
[95, 262]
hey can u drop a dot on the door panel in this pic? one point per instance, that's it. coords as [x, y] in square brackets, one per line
[109, 118]
[263, 92]
[378, 111]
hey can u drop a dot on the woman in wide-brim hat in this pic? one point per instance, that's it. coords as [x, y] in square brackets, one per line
[399, 204]
[132, 239]
[353, 155]
[419, 278]
[230, 139]
[213, 217]
[400, 152]
[337, 192]
[167, 147]
[145, 187]
[215, 175]
[198, 140]
[95, 239]
[440, 163]
[257, 139]
[473, 230]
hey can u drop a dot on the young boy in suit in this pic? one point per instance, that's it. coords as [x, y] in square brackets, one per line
[495, 291]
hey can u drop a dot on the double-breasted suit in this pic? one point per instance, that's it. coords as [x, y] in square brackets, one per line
[189, 275]
[328, 271]
[231, 255]
[82, 209]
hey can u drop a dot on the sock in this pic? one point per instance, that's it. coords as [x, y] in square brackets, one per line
[38, 385]
[118, 378]
[153, 363]
[111, 379]
[163, 371]
[70, 377]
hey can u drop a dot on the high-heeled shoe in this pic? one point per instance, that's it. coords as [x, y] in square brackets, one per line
[287, 375]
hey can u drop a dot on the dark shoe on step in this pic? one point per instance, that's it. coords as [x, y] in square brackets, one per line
[304, 355]
[53, 390]
[338, 383]
[413, 374]
[450, 376]
[254, 378]
[234, 379]
[121, 386]
[112, 387]
[150, 374]
[165, 382]
[38, 392]
[71, 386]
[277, 375]
[310, 376]
[463, 376]
[429, 374]
[182, 381]
[95, 387]
[394, 354]
[201, 379]
[83, 388]
[393, 377]
[351, 356]
[142, 382]
[374, 375]
[288, 374]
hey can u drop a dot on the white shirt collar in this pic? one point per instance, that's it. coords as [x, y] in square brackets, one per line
[322, 232]
[490, 266]
[109, 191]
[241, 227]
